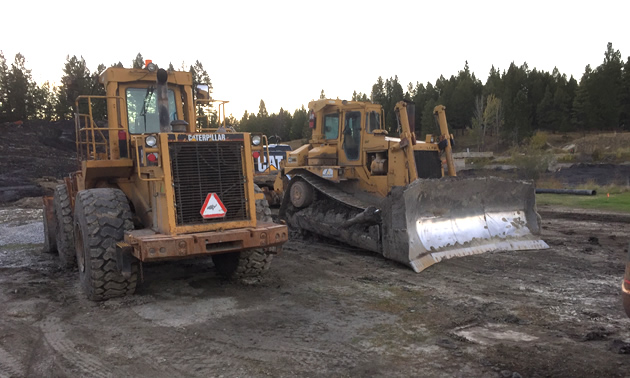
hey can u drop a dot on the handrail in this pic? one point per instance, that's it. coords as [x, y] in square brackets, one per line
[86, 143]
[207, 102]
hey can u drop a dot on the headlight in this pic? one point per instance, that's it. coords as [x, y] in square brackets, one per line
[256, 140]
[151, 141]
[152, 67]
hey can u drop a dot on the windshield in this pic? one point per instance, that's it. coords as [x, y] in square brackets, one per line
[142, 113]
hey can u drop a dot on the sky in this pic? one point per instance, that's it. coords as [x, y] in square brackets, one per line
[287, 52]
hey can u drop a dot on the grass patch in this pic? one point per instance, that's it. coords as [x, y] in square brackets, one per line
[566, 158]
[607, 198]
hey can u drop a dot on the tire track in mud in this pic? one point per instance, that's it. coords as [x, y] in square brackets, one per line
[214, 354]
[204, 354]
[90, 365]
[56, 338]
[9, 365]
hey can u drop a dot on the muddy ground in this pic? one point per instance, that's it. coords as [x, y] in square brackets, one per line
[322, 310]
[327, 310]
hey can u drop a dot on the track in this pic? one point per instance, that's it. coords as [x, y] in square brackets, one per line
[335, 214]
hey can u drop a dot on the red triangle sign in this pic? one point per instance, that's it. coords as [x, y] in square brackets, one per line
[213, 207]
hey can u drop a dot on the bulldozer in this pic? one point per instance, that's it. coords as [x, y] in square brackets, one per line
[152, 185]
[399, 196]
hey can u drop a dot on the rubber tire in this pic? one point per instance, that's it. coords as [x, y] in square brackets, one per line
[263, 212]
[50, 233]
[301, 194]
[101, 218]
[62, 208]
[251, 263]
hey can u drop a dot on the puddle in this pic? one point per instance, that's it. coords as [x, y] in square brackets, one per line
[492, 334]
[188, 311]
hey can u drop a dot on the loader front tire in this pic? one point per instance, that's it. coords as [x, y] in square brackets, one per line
[50, 233]
[251, 263]
[101, 218]
[62, 208]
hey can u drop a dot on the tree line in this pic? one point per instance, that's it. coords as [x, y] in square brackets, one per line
[22, 99]
[511, 105]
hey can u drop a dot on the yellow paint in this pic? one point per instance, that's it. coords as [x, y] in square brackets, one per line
[400, 160]
[149, 188]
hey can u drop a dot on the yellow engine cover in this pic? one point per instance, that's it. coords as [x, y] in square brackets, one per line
[323, 155]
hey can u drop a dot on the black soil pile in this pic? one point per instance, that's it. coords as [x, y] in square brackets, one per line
[34, 151]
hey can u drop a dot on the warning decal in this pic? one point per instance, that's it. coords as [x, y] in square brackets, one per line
[213, 207]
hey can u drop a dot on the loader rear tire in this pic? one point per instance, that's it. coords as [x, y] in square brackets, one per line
[65, 232]
[250, 263]
[245, 264]
[101, 218]
[301, 194]
[263, 212]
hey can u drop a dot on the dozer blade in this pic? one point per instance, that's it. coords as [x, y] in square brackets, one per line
[435, 219]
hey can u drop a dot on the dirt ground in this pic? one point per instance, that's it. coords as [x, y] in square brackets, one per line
[325, 309]
[322, 310]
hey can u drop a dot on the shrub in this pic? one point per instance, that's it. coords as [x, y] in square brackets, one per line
[531, 162]
[538, 141]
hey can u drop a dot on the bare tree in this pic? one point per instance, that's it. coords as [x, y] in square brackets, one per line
[478, 122]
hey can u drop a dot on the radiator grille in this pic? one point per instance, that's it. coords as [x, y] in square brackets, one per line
[200, 168]
[428, 164]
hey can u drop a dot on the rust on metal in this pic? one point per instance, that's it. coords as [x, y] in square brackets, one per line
[149, 246]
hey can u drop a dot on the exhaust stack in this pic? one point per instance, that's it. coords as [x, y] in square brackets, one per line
[162, 101]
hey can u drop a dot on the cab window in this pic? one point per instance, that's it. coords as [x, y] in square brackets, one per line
[331, 126]
[374, 121]
[142, 113]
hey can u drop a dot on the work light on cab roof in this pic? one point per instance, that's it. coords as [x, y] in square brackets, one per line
[152, 67]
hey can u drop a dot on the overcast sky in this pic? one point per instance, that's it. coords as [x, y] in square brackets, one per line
[286, 52]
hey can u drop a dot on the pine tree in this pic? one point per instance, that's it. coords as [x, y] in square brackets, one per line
[200, 76]
[299, 124]
[45, 99]
[4, 89]
[262, 110]
[138, 62]
[21, 88]
[76, 81]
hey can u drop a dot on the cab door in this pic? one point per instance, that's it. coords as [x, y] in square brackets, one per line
[352, 122]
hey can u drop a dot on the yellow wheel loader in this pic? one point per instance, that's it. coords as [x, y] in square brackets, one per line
[398, 196]
[152, 186]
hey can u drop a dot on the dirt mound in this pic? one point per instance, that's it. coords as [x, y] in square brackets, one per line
[598, 174]
[595, 143]
[31, 151]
